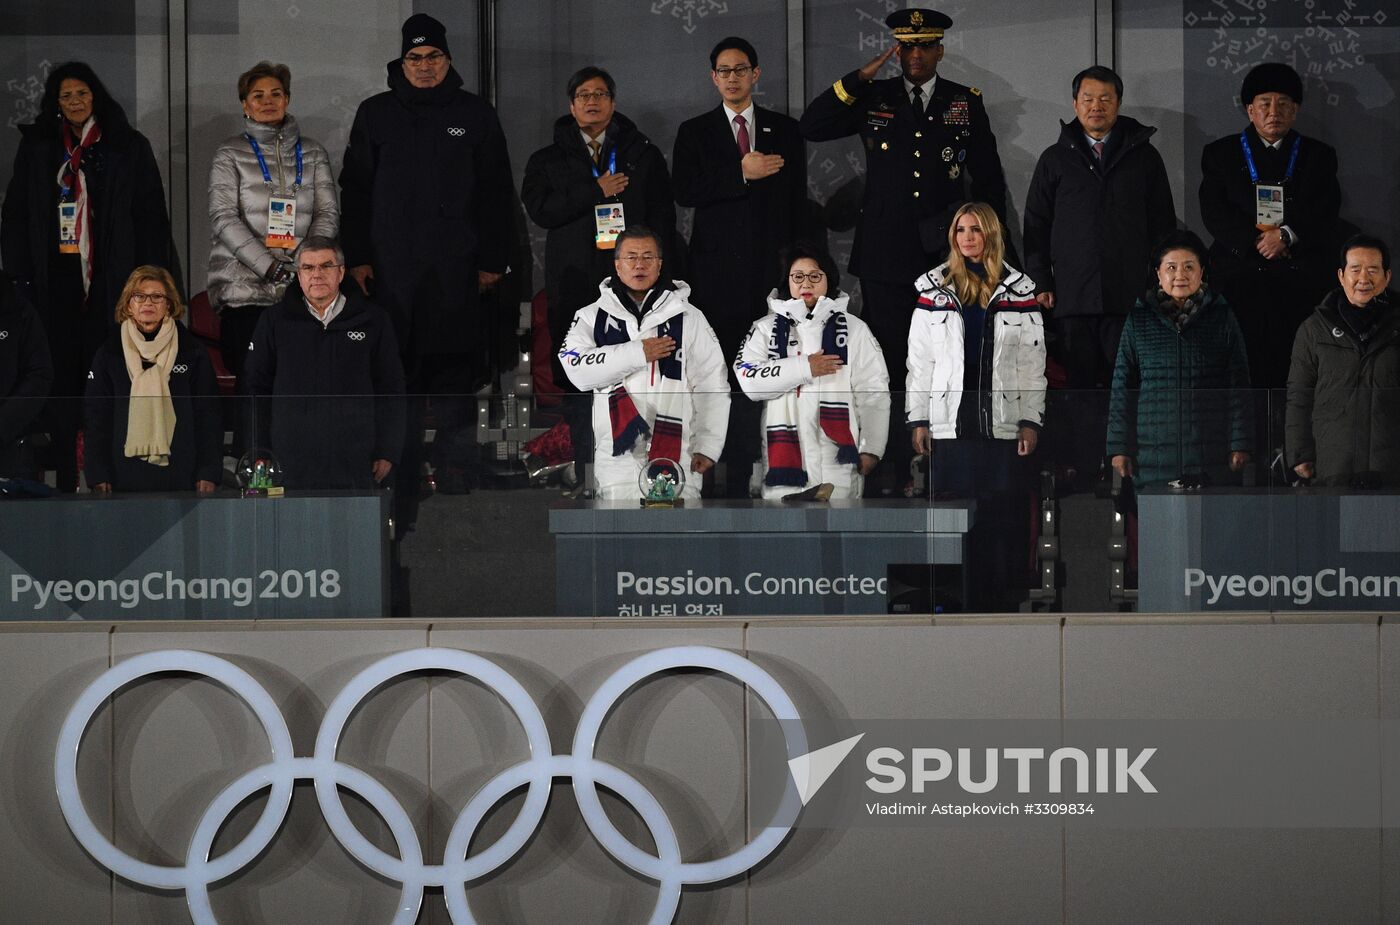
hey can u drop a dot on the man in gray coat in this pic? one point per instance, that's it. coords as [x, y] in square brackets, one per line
[1343, 418]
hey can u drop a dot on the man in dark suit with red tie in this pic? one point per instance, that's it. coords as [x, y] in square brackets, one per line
[743, 168]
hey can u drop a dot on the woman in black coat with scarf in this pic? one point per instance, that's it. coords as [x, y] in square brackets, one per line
[153, 422]
[85, 206]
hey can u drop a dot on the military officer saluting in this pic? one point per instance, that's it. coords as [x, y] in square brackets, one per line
[925, 137]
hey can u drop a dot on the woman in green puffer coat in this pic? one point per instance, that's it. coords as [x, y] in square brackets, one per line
[1180, 406]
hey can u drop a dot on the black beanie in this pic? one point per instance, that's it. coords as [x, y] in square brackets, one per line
[422, 29]
[1271, 78]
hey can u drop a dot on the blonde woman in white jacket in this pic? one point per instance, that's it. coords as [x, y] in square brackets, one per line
[975, 393]
[822, 380]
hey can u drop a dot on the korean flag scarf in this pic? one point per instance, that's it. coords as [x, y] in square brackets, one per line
[668, 378]
[785, 464]
[72, 184]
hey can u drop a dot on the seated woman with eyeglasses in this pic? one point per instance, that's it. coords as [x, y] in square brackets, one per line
[822, 380]
[151, 419]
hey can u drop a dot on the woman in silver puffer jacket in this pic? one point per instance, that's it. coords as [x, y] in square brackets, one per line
[269, 189]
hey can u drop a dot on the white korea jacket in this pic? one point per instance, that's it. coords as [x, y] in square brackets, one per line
[1011, 383]
[866, 390]
[704, 405]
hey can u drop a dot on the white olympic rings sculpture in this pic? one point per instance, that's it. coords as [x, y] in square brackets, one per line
[586, 772]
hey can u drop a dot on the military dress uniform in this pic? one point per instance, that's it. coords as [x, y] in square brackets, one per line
[918, 168]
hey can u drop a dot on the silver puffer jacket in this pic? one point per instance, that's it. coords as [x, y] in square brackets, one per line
[238, 199]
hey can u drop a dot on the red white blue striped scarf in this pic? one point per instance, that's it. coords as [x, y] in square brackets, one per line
[785, 463]
[628, 425]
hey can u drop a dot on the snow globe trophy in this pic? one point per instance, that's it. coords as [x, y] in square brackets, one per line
[259, 475]
[661, 482]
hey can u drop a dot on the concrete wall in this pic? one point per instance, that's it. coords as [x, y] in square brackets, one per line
[162, 748]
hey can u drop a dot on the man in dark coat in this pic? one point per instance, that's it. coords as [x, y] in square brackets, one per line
[324, 367]
[923, 136]
[426, 219]
[113, 173]
[598, 159]
[1273, 275]
[743, 168]
[1098, 201]
[1343, 420]
[26, 375]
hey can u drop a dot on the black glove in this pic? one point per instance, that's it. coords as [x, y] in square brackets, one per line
[279, 274]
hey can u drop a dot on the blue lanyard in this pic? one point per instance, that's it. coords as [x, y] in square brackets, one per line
[1249, 158]
[612, 164]
[257, 152]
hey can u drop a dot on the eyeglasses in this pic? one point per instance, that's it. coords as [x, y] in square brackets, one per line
[634, 260]
[592, 96]
[741, 71]
[312, 270]
[432, 57]
[814, 277]
[149, 298]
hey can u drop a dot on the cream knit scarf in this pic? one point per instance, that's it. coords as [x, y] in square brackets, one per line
[150, 416]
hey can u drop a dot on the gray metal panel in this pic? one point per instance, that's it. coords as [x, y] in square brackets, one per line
[179, 741]
[1389, 643]
[1236, 672]
[45, 876]
[1221, 672]
[681, 735]
[911, 874]
[1244, 876]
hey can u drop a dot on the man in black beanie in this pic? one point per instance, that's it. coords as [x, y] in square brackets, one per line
[1269, 197]
[427, 209]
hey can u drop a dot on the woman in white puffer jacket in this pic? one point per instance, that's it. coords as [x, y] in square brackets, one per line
[822, 379]
[975, 396]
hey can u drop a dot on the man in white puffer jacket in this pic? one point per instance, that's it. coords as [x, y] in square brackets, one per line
[825, 416]
[655, 368]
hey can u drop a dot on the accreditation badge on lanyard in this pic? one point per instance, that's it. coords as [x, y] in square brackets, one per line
[1268, 206]
[1268, 197]
[609, 220]
[68, 228]
[281, 223]
[281, 210]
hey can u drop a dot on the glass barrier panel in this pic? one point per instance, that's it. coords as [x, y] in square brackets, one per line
[480, 506]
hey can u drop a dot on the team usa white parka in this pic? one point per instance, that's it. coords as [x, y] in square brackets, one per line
[1011, 384]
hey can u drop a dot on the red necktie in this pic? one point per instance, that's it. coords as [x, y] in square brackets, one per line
[1098, 151]
[743, 135]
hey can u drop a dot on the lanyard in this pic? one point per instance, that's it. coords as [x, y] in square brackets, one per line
[1249, 158]
[257, 152]
[612, 164]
